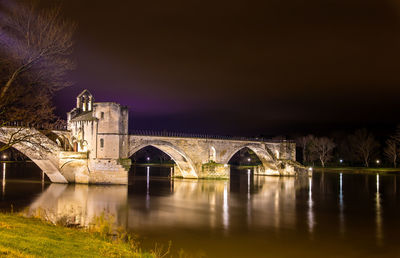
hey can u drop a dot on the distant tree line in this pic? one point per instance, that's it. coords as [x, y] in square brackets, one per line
[360, 148]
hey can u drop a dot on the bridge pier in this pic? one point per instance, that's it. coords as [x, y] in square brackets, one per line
[209, 170]
[213, 170]
[78, 168]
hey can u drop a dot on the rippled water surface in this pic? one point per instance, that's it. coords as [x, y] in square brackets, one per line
[330, 214]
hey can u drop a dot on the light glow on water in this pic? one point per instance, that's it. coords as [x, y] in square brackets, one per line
[225, 207]
[147, 187]
[377, 183]
[341, 204]
[3, 182]
[310, 217]
[379, 233]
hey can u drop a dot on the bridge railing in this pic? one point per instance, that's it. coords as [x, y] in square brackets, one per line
[58, 127]
[205, 136]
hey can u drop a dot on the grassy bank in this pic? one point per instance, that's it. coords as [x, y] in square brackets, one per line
[29, 237]
[358, 170]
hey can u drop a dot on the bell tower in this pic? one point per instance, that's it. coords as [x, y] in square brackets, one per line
[84, 101]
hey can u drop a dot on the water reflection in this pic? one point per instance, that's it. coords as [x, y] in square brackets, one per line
[379, 234]
[81, 203]
[202, 204]
[311, 219]
[341, 204]
[248, 213]
[3, 182]
[225, 207]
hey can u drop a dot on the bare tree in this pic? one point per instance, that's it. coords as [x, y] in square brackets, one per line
[396, 135]
[363, 145]
[35, 57]
[322, 148]
[36, 47]
[391, 151]
[23, 108]
[305, 143]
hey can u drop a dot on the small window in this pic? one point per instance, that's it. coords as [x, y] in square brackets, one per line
[102, 115]
[101, 143]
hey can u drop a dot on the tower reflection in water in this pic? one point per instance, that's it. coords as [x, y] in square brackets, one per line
[80, 204]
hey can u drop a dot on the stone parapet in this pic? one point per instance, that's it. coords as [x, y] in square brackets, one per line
[71, 155]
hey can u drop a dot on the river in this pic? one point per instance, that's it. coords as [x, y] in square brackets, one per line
[328, 214]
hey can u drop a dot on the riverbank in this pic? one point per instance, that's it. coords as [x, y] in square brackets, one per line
[358, 170]
[30, 237]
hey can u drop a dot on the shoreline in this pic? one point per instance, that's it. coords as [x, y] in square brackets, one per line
[357, 170]
[32, 237]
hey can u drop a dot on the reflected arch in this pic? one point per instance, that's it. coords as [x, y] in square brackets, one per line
[183, 163]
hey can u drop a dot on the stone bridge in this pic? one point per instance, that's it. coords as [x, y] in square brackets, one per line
[97, 148]
[208, 157]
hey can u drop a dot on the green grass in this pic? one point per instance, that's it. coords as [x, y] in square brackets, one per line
[30, 237]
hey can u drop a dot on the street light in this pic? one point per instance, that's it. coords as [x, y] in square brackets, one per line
[341, 161]
[148, 159]
[4, 156]
[249, 159]
[378, 161]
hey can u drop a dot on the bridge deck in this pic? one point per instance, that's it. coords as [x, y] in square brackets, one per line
[205, 136]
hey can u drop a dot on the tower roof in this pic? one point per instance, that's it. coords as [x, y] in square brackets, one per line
[85, 92]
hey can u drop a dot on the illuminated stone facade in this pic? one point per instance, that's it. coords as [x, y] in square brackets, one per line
[101, 131]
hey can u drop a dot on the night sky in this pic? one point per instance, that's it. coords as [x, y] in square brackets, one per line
[240, 67]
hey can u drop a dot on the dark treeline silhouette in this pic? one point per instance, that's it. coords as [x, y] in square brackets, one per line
[359, 148]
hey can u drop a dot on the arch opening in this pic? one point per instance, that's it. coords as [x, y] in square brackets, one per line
[182, 165]
[245, 157]
[266, 164]
[40, 149]
[18, 166]
[159, 162]
[244, 164]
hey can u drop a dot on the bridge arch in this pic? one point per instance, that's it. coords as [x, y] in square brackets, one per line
[43, 152]
[267, 159]
[184, 164]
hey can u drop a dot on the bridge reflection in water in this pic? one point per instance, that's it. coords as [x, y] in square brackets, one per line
[246, 216]
[164, 203]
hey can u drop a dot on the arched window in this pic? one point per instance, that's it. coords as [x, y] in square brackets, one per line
[213, 154]
[102, 115]
[90, 105]
[101, 143]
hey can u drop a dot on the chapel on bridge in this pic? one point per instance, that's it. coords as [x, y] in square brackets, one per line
[99, 128]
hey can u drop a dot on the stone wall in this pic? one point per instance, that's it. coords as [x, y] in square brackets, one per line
[215, 170]
[119, 177]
